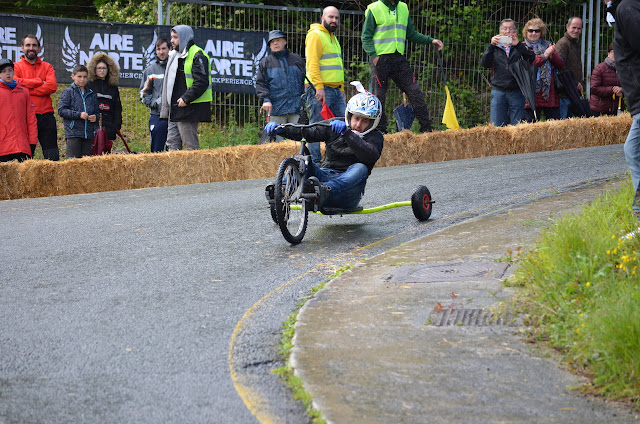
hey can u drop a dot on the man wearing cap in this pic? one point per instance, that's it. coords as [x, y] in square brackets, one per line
[186, 90]
[325, 71]
[39, 78]
[280, 81]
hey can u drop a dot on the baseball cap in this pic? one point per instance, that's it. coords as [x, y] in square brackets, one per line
[276, 33]
[4, 62]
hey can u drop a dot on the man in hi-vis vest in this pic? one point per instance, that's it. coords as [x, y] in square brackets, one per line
[387, 27]
[186, 90]
[325, 71]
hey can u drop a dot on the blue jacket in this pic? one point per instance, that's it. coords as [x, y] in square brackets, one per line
[281, 81]
[71, 104]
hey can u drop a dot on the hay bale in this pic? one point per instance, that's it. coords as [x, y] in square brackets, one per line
[10, 182]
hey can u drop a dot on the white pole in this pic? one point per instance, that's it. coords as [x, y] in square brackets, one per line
[159, 12]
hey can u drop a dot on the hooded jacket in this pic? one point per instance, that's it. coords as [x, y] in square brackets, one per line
[107, 93]
[281, 81]
[174, 85]
[314, 52]
[151, 85]
[40, 80]
[18, 125]
[71, 104]
[626, 46]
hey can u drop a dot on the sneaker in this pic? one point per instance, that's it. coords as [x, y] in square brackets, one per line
[323, 191]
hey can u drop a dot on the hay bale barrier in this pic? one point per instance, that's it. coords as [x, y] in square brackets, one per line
[41, 178]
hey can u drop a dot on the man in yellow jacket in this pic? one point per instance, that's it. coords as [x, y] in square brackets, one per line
[387, 27]
[325, 71]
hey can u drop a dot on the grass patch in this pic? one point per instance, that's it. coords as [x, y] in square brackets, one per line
[285, 347]
[581, 294]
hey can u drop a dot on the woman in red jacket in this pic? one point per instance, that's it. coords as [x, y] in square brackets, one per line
[546, 62]
[18, 125]
[606, 92]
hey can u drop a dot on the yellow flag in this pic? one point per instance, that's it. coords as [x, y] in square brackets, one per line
[449, 116]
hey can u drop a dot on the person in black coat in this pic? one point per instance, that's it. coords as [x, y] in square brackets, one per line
[104, 74]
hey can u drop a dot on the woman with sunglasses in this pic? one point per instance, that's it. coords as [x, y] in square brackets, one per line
[546, 62]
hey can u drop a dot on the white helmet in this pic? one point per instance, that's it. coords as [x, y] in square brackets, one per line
[367, 105]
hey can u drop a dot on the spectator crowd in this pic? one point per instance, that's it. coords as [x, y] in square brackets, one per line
[531, 77]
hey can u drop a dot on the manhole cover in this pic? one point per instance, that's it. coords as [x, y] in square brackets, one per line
[469, 317]
[455, 271]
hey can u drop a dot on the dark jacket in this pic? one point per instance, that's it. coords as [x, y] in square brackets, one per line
[193, 112]
[569, 50]
[151, 85]
[603, 79]
[71, 104]
[627, 52]
[109, 104]
[342, 150]
[495, 57]
[281, 81]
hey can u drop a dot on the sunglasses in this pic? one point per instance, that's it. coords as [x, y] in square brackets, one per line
[533, 30]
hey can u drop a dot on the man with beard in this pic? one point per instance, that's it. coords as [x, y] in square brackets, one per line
[186, 90]
[325, 71]
[39, 78]
[151, 94]
[387, 28]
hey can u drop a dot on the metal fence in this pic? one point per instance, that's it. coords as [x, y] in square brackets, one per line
[466, 26]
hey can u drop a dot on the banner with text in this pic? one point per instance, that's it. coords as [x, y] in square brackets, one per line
[234, 55]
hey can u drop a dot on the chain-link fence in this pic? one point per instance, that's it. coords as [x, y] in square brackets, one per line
[465, 26]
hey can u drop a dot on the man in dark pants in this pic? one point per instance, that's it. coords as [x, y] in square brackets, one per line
[387, 27]
[39, 78]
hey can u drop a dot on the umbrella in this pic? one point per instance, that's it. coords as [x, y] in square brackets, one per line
[262, 134]
[449, 115]
[579, 106]
[101, 143]
[124, 141]
[619, 104]
[404, 114]
[526, 79]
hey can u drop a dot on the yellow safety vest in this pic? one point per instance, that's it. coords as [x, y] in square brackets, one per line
[207, 96]
[331, 69]
[391, 32]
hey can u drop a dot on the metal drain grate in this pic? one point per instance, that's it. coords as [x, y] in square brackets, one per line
[454, 271]
[469, 317]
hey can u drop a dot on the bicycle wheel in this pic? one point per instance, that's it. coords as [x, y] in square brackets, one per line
[288, 192]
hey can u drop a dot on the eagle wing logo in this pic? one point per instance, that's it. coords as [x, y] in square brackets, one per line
[149, 54]
[41, 42]
[70, 51]
[256, 61]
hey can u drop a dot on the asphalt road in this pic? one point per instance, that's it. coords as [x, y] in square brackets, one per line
[165, 305]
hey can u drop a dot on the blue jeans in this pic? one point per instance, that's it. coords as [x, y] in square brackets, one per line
[565, 103]
[507, 107]
[158, 129]
[347, 187]
[335, 101]
[632, 154]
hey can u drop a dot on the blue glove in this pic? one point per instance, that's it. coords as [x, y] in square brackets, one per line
[272, 128]
[339, 127]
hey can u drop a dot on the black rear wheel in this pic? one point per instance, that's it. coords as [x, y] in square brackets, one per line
[421, 203]
[291, 208]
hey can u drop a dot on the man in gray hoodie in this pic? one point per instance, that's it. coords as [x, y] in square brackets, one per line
[151, 94]
[186, 90]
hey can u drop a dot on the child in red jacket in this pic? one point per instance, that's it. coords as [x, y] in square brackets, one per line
[18, 125]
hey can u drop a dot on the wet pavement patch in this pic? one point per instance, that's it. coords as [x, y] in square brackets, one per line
[452, 271]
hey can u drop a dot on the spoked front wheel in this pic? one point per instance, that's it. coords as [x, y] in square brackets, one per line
[288, 192]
